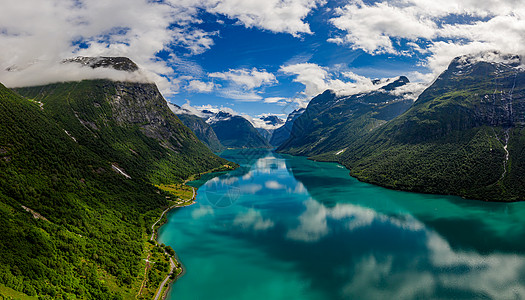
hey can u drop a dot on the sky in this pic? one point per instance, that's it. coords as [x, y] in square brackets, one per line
[252, 57]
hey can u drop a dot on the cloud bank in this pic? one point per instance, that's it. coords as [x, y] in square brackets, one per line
[37, 35]
[438, 30]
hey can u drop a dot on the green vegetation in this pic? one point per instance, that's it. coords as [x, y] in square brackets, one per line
[178, 190]
[331, 122]
[237, 132]
[89, 235]
[203, 131]
[127, 123]
[451, 141]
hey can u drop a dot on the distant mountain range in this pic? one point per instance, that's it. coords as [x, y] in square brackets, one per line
[231, 131]
[202, 130]
[281, 134]
[464, 135]
[330, 122]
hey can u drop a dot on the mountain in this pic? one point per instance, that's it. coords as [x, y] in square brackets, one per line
[265, 133]
[464, 135]
[272, 120]
[128, 123]
[198, 125]
[79, 161]
[270, 124]
[71, 226]
[282, 133]
[331, 122]
[236, 131]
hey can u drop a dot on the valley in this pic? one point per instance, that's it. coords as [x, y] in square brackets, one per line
[244, 149]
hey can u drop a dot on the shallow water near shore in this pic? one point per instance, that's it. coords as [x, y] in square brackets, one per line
[284, 227]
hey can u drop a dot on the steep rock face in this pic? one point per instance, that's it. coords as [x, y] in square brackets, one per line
[236, 131]
[331, 122]
[110, 117]
[202, 130]
[282, 133]
[463, 136]
[270, 124]
[81, 205]
[473, 91]
[265, 133]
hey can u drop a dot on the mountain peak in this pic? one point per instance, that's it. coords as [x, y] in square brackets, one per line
[397, 82]
[272, 120]
[492, 57]
[117, 63]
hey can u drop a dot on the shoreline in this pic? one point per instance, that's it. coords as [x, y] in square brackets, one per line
[166, 284]
[389, 187]
[162, 292]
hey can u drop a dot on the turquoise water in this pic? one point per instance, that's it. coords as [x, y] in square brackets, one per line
[283, 227]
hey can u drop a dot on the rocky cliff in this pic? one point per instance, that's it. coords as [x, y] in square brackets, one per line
[464, 135]
[129, 123]
[282, 133]
[331, 122]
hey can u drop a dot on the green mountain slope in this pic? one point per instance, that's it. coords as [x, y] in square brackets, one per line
[91, 219]
[455, 138]
[202, 130]
[129, 124]
[237, 132]
[281, 134]
[331, 122]
[79, 161]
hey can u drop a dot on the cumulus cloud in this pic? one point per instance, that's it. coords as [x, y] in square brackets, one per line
[370, 27]
[317, 79]
[243, 84]
[37, 35]
[187, 109]
[248, 79]
[274, 15]
[34, 39]
[276, 100]
[436, 29]
[200, 86]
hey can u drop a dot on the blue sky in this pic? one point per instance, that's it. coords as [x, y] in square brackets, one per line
[251, 56]
[237, 47]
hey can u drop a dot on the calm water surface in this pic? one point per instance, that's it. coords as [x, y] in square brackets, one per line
[283, 227]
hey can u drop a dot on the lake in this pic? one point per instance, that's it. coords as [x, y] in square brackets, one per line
[284, 227]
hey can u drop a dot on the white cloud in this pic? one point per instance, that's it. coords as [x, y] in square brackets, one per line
[243, 84]
[37, 35]
[318, 79]
[246, 78]
[277, 100]
[312, 76]
[274, 15]
[187, 109]
[196, 40]
[370, 27]
[433, 28]
[135, 28]
[200, 86]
